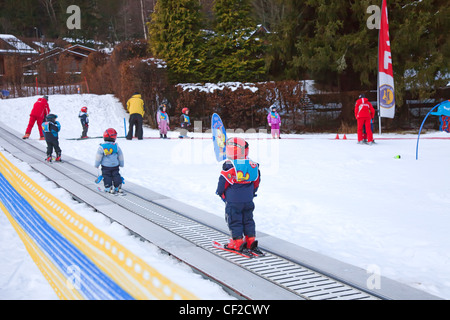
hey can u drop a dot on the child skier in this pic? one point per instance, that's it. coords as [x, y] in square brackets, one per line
[163, 121]
[110, 157]
[238, 184]
[84, 118]
[51, 127]
[185, 123]
[274, 120]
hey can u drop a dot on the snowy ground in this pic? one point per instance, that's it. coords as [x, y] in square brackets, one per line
[356, 203]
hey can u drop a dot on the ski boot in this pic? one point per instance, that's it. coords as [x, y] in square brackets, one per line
[26, 136]
[119, 190]
[58, 158]
[252, 245]
[235, 244]
[48, 159]
[108, 189]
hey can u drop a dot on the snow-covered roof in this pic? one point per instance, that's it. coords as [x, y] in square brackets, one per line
[47, 45]
[15, 45]
[57, 51]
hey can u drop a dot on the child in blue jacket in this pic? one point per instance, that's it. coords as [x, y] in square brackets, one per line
[51, 127]
[84, 119]
[110, 157]
[238, 184]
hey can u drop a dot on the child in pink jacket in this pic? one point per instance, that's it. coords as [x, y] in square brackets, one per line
[163, 121]
[274, 120]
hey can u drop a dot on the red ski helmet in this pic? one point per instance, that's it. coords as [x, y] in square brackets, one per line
[184, 110]
[236, 148]
[110, 135]
[84, 109]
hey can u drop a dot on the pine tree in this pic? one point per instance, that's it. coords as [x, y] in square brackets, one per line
[20, 17]
[420, 46]
[336, 47]
[175, 35]
[233, 53]
[287, 20]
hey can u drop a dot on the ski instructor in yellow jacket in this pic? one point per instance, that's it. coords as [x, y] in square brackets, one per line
[135, 107]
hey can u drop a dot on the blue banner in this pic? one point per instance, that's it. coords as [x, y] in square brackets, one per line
[443, 109]
[219, 135]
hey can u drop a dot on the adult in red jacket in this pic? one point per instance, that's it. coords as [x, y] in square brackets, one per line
[38, 113]
[364, 113]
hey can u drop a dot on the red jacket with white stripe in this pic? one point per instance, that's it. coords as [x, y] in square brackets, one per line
[364, 109]
[40, 109]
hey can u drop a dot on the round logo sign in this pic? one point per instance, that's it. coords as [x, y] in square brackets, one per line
[387, 99]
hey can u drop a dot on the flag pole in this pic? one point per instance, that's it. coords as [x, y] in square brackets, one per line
[378, 74]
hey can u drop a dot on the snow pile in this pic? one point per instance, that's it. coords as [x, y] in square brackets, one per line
[309, 86]
[160, 64]
[211, 87]
[355, 203]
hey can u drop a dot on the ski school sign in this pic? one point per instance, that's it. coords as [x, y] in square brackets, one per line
[386, 94]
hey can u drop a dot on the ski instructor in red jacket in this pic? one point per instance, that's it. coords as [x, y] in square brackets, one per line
[364, 113]
[40, 110]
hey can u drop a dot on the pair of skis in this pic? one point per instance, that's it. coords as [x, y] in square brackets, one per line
[100, 178]
[113, 194]
[247, 253]
[53, 161]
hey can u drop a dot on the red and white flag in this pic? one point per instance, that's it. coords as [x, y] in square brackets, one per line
[386, 95]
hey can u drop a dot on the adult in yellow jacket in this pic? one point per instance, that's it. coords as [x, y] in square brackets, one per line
[135, 107]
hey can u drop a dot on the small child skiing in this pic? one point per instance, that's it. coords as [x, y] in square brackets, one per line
[84, 118]
[110, 157]
[274, 120]
[185, 123]
[163, 121]
[51, 127]
[238, 183]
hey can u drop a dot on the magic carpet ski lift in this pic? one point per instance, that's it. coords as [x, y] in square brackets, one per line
[443, 111]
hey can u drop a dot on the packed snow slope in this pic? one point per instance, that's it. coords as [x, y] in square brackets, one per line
[356, 203]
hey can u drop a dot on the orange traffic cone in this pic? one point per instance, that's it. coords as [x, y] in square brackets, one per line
[345, 137]
[337, 136]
